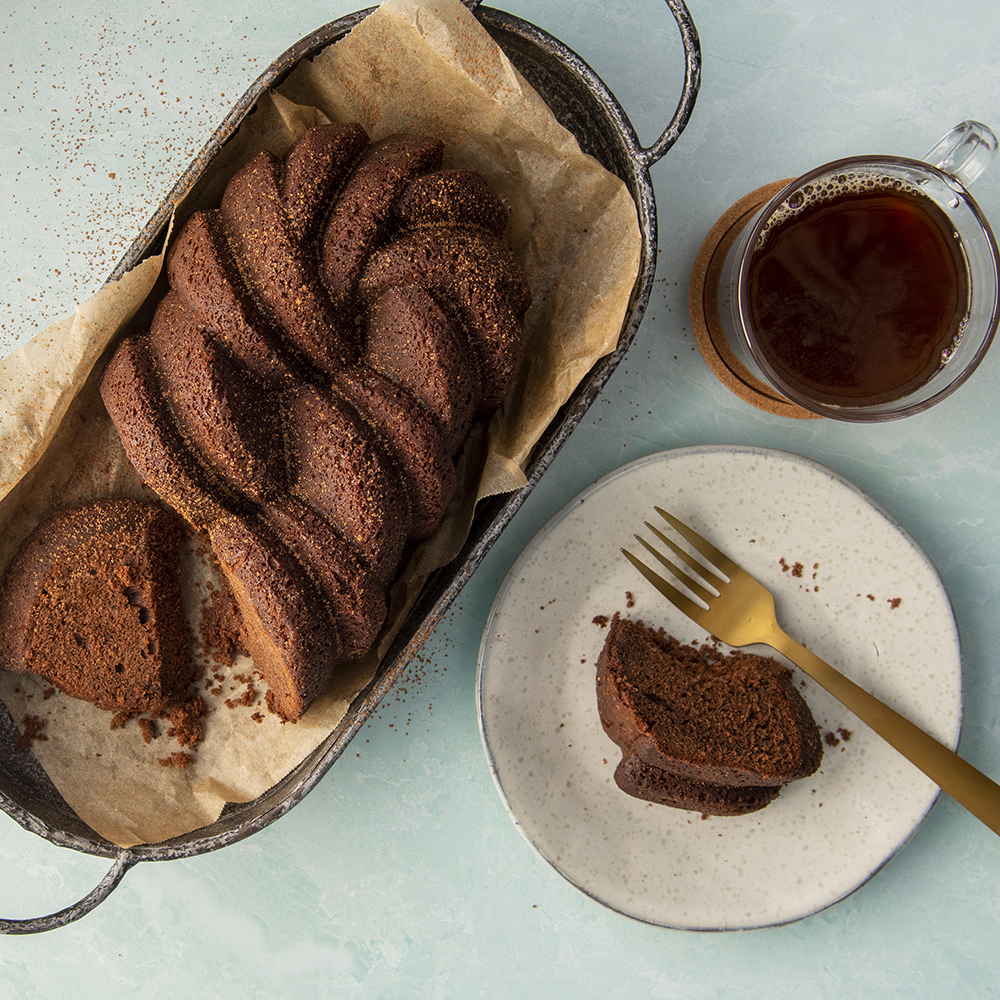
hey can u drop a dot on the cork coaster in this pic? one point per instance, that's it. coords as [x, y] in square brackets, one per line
[704, 309]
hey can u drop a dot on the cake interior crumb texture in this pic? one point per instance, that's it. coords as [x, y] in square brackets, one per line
[92, 602]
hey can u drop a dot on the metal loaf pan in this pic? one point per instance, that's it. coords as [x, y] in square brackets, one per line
[585, 106]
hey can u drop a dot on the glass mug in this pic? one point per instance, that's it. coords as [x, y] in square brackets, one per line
[867, 289]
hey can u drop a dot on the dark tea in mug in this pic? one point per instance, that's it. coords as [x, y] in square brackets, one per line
[858, 290]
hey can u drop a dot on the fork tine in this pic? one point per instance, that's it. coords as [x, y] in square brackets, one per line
[719, 559]
[681, 601]
[693, 585]
[699, 567]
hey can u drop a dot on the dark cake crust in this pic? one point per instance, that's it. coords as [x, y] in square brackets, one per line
[222, 409]
[356, 598]
[479, 284]
[201, 270]
[280, 272]
[411, 436]
[452, 198]
[314, 171]
[134, 398]
[344, 473]
[361, 217]
[285, 627]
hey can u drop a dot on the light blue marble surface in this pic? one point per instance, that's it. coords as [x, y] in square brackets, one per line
[400, 875]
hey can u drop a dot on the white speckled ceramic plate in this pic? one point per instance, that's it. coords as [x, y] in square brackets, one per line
[848, 582]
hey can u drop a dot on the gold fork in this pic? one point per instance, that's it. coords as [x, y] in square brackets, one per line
[742, 612]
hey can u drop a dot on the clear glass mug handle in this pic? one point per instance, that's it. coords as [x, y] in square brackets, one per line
[965, 152]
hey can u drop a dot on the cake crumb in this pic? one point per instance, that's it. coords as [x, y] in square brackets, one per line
[894, 602]
[148, 729]
[179, 759]
[601, 620]
[796, 568]
[219, 629]
[629, 599]
[120, 719]
[247, 698]
[187, 722]
[32, 726]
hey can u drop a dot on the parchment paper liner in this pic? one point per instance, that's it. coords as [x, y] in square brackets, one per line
[407, 67]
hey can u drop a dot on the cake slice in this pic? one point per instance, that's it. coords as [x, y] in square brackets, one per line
[226, 414]
[285, 623]
[412, 342]
[684, 715]
[643, 781]
[92, 603]
[478, 281]
[452, 198]
[411, 437]
[361, 216]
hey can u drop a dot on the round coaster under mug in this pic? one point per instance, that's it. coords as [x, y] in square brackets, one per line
[704, 309]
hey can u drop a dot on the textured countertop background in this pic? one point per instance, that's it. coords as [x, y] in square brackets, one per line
[401, 875]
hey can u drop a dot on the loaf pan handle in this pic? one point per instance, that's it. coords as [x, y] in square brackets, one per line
[35, 925]
[646, 157]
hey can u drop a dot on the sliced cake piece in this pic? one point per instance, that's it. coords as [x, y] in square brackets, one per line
[225, 413]
[92, 603]
[411, 437]
[412, 342]
[699, 715]
[280, 272]
[201, 269]
[339, 469]
[133, 396]
[357, 600]
[286, 624]
[361, 215]
[643, 781]
[314, 170]
[452, 198]
[478, 281]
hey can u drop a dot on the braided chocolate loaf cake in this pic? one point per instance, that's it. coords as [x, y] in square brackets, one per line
[330, 334]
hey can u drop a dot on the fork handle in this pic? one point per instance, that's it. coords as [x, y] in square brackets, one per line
[967, 786]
